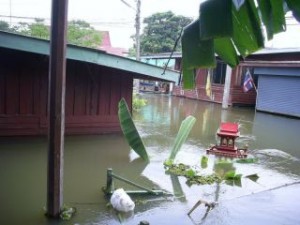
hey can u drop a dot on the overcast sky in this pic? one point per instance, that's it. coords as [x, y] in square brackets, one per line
[119, 19]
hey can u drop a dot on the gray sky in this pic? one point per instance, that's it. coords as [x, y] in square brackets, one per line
[116, 17]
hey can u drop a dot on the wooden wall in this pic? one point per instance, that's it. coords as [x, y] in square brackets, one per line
[92, 95]
[236, 97]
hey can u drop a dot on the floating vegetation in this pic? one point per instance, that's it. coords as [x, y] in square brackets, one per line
[66, 212]
[247, 160]
[138, 103]
[231, 175]
[204, 179]
[191, 175]
[204, 161]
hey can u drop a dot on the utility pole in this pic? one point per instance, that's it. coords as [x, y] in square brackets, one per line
[137, 29]
[10, 12]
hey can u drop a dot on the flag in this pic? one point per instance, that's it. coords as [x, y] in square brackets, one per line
[208, 84]
[248, 82]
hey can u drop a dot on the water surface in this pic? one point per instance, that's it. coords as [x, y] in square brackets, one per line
[271, 200]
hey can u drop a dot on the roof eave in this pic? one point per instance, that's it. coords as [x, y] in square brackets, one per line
[39, 46]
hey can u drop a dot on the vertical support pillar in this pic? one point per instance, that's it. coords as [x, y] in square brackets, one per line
[227, 87]
[56, 107]
[109, 181]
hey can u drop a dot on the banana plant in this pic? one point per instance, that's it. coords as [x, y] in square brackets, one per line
[234, 33]
[130, 132]
[184, 130]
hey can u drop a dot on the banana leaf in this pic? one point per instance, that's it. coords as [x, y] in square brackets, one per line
[226, 51]
[294, 6]
[130, 132]
[272, 13]
[247, 32]
[196, 53]
[215, 19]
[184, 130]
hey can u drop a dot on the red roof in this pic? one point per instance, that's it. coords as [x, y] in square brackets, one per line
[106, 45]
[229, 129]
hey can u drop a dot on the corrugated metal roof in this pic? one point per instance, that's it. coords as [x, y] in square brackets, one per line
[39, 46]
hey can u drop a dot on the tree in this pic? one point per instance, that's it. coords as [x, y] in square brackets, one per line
[161, 32]
[82, 33]
[4, 26]
[235, 32]
[79, 32]
[37, 29]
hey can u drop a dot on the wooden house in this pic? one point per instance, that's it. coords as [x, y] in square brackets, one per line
[276, 74]
[95, 82]
[210, 86]
[278, 80]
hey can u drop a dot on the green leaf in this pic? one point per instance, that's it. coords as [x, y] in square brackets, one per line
[247, 160]
[195, 53]
[231, 175]
[226, 51]
[272, 16]
[204, 161]
[254, 177]
[212, 26]
[294, 6]
[247, 33]
[184, 130]
[266, 14]
[130, 132]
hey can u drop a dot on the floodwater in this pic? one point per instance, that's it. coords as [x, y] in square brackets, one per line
[273, 199]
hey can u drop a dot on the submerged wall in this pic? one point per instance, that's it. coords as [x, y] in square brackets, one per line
[92, 95]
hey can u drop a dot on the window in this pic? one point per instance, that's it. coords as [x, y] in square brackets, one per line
[219, 73]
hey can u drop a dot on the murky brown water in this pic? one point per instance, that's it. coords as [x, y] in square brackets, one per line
[273, 139]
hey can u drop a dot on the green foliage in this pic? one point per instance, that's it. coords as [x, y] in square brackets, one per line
[191, 175]
[177, 169]
[79, 32]
[130, 132]
[204, 161]
[66, 212]
[4, 26]
[37, 29]
[195, 53]
[161, 31]
[232, 33]
[231, 175]
[138, 103]
[247, 160]
[204, 179]
[184, 130]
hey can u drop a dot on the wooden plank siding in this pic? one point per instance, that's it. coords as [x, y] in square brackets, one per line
[92, 95]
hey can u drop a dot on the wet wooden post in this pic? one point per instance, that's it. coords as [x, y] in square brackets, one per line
[56, 107]
[109, 181]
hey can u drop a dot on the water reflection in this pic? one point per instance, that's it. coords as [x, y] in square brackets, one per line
[273, 139]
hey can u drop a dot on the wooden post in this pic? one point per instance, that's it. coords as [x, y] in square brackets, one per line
[109, 181]
[226, 87]
[56, 107]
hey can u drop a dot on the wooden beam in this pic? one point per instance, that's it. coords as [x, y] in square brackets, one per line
[56, 107]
